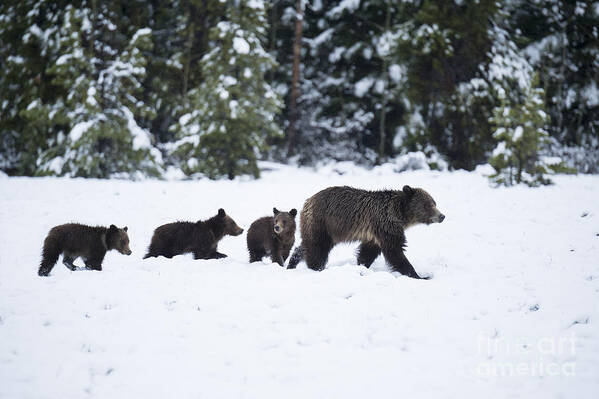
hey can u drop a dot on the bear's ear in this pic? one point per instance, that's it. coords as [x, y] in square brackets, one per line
[113, 227]
[408, 190]
[221, 213]
[275, 211]
[125, 228]
[293, 212]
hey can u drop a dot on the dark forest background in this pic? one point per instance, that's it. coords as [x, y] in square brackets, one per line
[131, 88]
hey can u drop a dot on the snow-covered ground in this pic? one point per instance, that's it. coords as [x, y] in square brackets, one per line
[512, 309]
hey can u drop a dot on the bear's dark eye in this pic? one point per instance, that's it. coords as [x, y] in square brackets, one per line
[123, 243]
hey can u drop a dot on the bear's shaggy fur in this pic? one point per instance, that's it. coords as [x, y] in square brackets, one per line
[272, 235]
[75, 240]
[200, 238]
[378, 219]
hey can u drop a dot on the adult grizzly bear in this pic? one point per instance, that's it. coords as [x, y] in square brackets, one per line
[75, 240]
[272, 235]
[200, 238]
[376, 218]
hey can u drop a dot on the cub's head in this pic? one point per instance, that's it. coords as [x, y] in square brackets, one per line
[231, 227]
[419, 207]
[118, 239]
[284, 222]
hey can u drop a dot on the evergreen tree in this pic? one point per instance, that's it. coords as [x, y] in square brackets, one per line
[561, 40]
[232, 112]
[83, 83]
[100, 70]
[352, 91]
[180, 39]
[28, 125]
[448, 48]
[522, 135]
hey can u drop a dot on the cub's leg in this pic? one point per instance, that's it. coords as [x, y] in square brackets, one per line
[95, 258]
[68, 260]
[277, 258]
[201, 254]
[285, 254]
[256, 254]
[94, 264]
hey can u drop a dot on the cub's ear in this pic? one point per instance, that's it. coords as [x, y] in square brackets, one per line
[221, 213]
[113, 227]
[293, 212]
[125, 228]
[408, 190]
[275, 211]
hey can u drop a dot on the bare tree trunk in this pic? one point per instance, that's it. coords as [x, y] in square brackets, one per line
[272, 22]
[297, 53]
[188, 48]
[385, 74]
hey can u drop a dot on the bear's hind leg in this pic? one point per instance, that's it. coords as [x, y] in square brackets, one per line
[50, 253]
[367, 253]
[297, 257]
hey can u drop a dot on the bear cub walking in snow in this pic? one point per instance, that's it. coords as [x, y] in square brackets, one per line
[200, 238]
[273, 236]
[75, 240]
[378, 219]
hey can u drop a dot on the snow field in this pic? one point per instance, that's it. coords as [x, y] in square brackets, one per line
[516, 282]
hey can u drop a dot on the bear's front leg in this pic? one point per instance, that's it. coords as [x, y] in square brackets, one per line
[367, 253]
[94, 264]
[68, 262]
[316, 250]
[285, 255]
[277, 258]
[256, 255]
[394, 253]
[208, 255]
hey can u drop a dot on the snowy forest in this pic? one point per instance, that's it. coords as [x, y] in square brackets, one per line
[129, 89]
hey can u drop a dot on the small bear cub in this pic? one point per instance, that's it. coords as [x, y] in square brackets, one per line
[273, 236]
[200, 238]
[75, 240]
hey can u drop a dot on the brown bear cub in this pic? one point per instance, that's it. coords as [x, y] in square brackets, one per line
[378, 219]
[273, 236]
[200, 238]
[75, 240]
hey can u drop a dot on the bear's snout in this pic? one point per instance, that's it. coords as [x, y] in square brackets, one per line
[441, 217]
[277, 228]
[239, 231]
